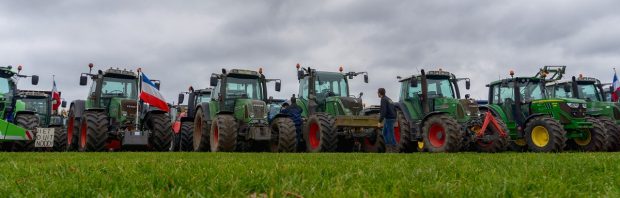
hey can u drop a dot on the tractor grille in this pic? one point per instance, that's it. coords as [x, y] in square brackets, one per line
[258, 108]
[575, 112]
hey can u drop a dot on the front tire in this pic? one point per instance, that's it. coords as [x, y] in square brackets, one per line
[320, 134]
[498, 144]
[160, 132]
[223, 136]
[29, 122]
[374, 143]
[93, 132]
[60, 139]
[596, 137]
[545, 134]
[202, 129]
[613, 133]
[284, 137]
[402, 133]
[442, 133]
[186, 136]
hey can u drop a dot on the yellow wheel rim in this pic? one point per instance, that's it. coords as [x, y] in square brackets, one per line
[520, 142]
[584, 141]
[540, 136]
[420, 145]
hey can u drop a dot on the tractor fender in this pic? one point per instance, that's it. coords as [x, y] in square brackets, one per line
[533, 116]
[281, 115]
[79, 106]
[402, 107]
[495, 110]
[428, 116]
[25, 112]
[206, 112]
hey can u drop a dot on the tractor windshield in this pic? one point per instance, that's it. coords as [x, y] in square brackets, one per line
[440, 87]
[588, 92]
[119, 87]
[4, 86]
[331, 84]
[38, 105]
[204, 97]
[250, 88]
[531, 89]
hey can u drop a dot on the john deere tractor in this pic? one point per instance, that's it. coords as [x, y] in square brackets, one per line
[18, 125]
[541, 122]
[591, 90]
[333, 119]
[41, 102]
[235, 118]
[184, 136]
[108, 119]
[432, 116]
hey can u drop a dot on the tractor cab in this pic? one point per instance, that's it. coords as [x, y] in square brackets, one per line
[436, 91]
[328, 92]
[8, 91]
[589, 89]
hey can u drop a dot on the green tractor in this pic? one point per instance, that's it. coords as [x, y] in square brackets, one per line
[235, 117]
[184, 136]
[333, 119]
[540, 122]
[108, 120]
[18, 126]
[591, 90]
[41, 102]
[432, 114]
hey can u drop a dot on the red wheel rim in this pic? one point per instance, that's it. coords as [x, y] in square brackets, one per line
[437, 135]
[70, 130]
[83, 130]
[397, 132]
[216, 135]
[315, 136]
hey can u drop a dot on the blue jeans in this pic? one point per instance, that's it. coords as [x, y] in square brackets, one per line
[388, 131]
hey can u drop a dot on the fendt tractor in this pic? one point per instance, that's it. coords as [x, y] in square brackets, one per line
[184, 137]
[235, 119]
[18, 125]
[41, 102]
[540, 122]
[591, 90]
[432, 114]
[333, 119]
[109, 120]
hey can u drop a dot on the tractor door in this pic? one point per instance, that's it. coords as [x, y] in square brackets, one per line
[412, 97]
[503, 94]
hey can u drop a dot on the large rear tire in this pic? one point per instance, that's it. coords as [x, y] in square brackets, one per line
[375, 143]
[442, 133]
[596, 137]
[283, 135]
[613, 133]
[402, 134]
[202, 129]
[29, 122]
[93, 132]
[72, 131]
[160, 130]
[320, 134]
[498, 144]
[60, 139]
[223, 136]
[545, 134]
[186, 135]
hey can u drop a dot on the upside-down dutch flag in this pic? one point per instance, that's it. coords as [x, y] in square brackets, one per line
[150, 94]
[615, 87]
[55, 97]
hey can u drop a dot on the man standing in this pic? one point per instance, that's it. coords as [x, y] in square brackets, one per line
[294, 111]
[388, 117]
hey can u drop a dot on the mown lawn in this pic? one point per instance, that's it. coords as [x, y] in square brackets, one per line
[309, 175]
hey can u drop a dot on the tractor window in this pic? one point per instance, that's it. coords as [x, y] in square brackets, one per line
[4, 86]
[503, 94]
[39, 106]
[440, 88]
[119, 87]
[204, 97]
[531, 90]
[588, 92]
[331, 84]
[244, 88]
[558, 92]
[303, 88]
[409, 91]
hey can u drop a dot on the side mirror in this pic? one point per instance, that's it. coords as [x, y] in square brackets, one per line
[413, 82]
[365, 78]
[213, 81]
[83, 80]
[35, 80]
[278, 86]
[300, 74]
[181, 98]
[467, 84]
[567, 88]
[361, 94]
[63, 104]
[467, 96]
[157, 85]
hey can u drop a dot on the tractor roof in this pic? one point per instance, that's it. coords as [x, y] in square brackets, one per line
[432, 73]
[205, 90]
[34, 94]
[514, 79]
[118, 73]
[7, 72]
[244, 72]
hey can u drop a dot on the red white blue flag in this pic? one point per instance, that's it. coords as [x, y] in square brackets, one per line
[55, 97]
[615, 87]
[150, 94]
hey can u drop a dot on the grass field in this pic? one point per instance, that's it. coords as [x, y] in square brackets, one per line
[309, 175]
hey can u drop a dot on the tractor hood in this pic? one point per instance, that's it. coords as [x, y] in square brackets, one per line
[463, 109]
[560, 100]
[608, 109]
[345, 105]
[250, 109]
[123, 110]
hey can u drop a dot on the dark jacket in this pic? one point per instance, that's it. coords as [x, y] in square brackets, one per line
[388, 111]
[295, 112]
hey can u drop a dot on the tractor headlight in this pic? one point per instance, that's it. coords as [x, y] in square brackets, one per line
[573, 105]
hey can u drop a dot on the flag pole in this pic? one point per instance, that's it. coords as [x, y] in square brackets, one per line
[138, 98]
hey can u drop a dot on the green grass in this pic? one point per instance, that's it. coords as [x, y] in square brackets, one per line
[309, 175]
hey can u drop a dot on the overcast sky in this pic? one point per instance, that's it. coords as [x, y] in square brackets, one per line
[183, 42]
